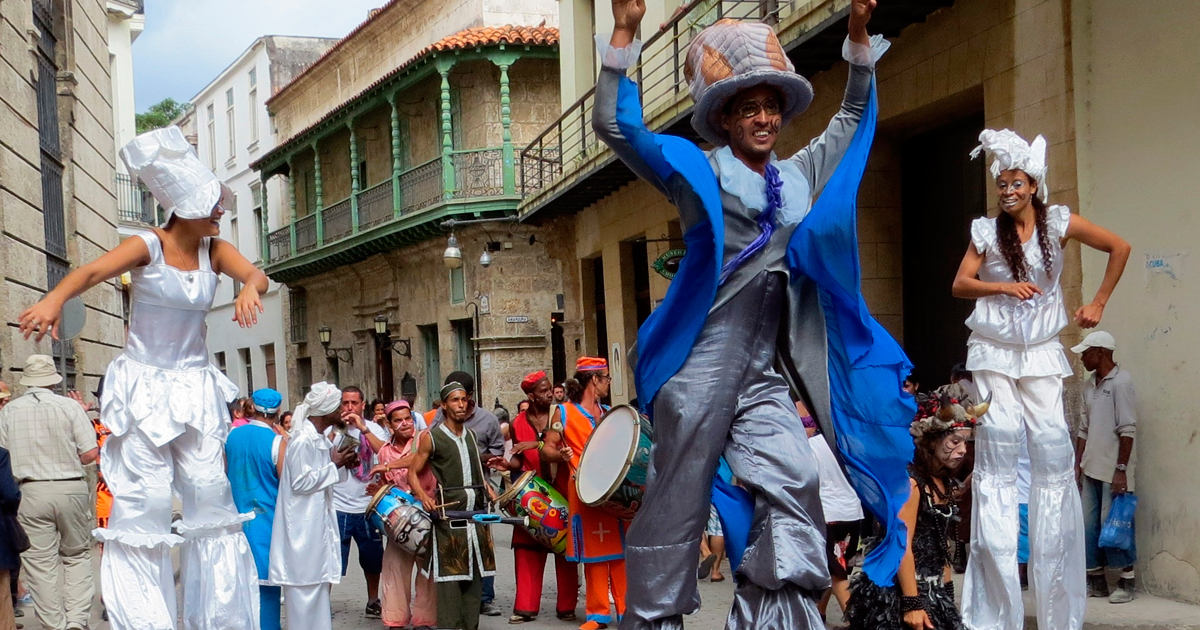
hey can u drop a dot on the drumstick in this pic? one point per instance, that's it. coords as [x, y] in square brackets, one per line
[449, 503]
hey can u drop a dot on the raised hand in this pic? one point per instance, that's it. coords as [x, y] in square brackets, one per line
[860, 14]
[247, 307]
[628, 14]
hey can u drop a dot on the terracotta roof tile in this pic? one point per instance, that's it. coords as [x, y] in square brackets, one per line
[470, 38]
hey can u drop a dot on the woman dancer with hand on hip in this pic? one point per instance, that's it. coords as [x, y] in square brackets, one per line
[166, 405]
[1011, 270]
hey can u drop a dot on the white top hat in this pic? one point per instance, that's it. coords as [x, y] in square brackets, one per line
[164, 161]
[1098, 339]
[40, 371]
[1010, 151]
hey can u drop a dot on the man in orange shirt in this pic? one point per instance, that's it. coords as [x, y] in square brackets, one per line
[594, 539]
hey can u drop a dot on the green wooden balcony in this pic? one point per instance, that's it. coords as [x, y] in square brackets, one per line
[386, 216]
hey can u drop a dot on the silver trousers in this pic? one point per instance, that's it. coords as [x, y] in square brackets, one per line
[992, 590]
[727, 399]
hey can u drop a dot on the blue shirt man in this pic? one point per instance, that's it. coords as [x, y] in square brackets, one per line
[254, 455]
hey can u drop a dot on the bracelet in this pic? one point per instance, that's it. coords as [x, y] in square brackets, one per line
[541, 445]
[909, 604]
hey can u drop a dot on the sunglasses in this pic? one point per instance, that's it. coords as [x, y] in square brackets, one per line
[750, 109]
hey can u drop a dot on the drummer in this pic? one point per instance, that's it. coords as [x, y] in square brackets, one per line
[594, 538]
[528, 431]
[401, 607]
[462, 556]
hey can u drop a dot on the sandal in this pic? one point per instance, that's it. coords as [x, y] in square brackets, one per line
[706, 566]
[719, 578]
[518, 618]
[567, 616]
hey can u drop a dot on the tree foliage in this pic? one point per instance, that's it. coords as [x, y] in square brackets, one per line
[159, 115]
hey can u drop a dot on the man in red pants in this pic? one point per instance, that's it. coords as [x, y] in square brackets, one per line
[529, 429]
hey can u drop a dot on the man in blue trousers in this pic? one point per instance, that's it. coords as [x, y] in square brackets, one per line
[254, 457]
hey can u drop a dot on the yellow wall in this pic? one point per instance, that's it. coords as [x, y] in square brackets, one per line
[1137, 98]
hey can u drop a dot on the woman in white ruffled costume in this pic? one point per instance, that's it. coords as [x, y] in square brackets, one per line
[1012, 270]
[166, 405]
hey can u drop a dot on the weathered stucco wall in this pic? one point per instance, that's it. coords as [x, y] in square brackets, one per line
[1136, 104]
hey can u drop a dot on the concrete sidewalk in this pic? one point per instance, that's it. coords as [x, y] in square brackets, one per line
[349, 598]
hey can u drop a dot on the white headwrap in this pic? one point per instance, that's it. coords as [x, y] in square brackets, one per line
[1010, 151]
[322, 399]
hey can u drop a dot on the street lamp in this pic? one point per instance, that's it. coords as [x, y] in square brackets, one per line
[384, 346]
[452, 257]
[326, 335]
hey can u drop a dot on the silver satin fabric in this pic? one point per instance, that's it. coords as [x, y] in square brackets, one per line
[308, 607]
[992, 590]
[728, 399]
[305, 545]
[166, 408]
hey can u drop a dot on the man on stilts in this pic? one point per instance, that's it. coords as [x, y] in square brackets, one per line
[765, 307]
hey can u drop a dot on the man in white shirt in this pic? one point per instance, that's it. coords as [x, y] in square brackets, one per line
[1103, 448]
[350, 498]
[304, 551]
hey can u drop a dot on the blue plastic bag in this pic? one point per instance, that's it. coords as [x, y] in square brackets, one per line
[1117, 532]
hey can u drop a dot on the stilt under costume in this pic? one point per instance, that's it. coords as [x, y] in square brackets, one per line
[305, 545]
[1016, 358]
[766, 300]
[165, 404]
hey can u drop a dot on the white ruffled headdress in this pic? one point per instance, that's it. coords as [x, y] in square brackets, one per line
[1010, 151]
[169, 167]
[322, 399]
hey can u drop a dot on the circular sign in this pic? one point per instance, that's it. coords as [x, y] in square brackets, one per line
[74, 315]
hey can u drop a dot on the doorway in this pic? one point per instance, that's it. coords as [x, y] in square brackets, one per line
[943, 191]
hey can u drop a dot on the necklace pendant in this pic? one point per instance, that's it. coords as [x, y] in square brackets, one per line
[191, 277]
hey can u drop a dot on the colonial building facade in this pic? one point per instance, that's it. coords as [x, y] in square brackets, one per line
[1039, 67]
[57, 203]
[395, 131]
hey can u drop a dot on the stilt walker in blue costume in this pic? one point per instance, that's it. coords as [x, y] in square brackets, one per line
[766, 305]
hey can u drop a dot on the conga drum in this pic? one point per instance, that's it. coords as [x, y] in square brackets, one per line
[534, 499]
[612, 468]
[401, 516]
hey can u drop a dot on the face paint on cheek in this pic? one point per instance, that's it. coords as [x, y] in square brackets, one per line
[775, 125]
[740, 132]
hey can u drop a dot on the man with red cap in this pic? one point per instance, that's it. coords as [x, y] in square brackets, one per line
[594, 538]
[529, 431]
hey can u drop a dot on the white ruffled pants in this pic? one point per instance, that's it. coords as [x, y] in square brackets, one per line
[992, 591]
[220, 581]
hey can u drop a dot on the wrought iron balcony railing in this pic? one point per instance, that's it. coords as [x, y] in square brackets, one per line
[135, 204]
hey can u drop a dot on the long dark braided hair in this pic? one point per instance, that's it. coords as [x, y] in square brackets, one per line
[1010, 241]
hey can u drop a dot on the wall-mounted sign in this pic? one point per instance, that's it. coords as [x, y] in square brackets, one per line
[667, 265]
[516, 319]
[485, 305]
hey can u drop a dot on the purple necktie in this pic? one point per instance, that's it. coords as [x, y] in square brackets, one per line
[766, 223]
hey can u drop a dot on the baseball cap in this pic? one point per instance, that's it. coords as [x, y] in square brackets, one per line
[1098, 339]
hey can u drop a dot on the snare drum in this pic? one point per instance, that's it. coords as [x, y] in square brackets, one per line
[401, 516]
[531, 497]
[612, 468]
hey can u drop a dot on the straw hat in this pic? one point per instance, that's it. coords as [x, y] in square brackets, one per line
[730, 56]
[169, 167]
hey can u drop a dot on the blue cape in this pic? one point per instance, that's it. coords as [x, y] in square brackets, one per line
[870, 412]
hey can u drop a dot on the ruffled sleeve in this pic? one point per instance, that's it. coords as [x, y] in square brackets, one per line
[1058, 218]
[983, 234]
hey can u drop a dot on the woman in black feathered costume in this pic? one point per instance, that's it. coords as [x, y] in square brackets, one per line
[923, 595]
